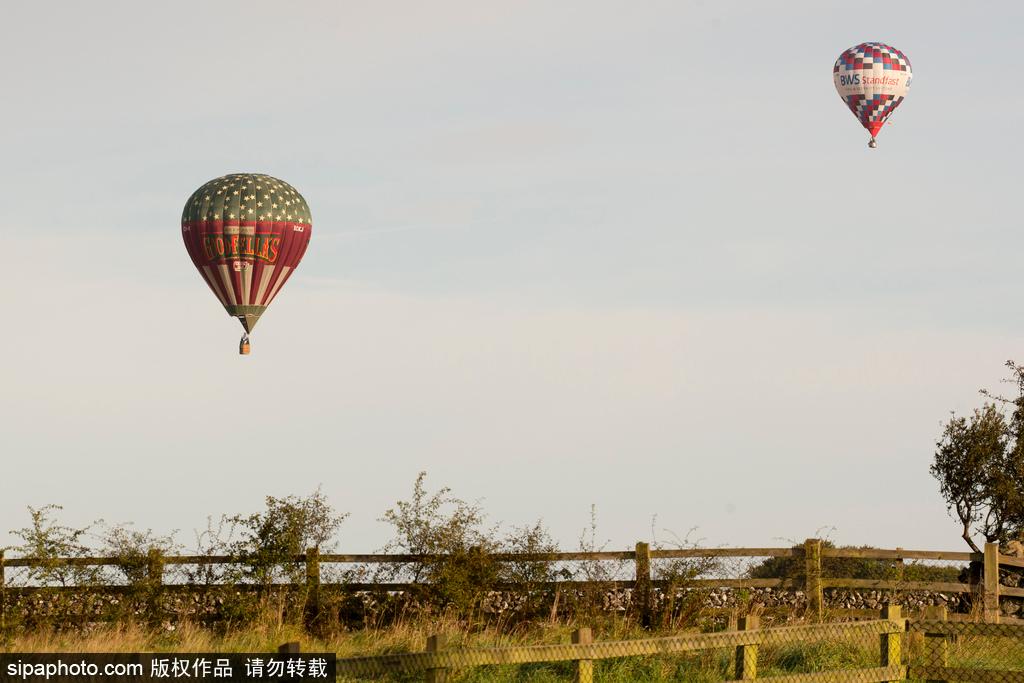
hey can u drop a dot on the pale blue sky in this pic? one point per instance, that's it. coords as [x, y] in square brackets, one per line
[636, 255]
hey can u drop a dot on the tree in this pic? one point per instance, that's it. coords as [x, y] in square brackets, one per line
[50, 544]
[795, 568]
[451, 542]
[287, 527]
[131, 547]
[979, 464]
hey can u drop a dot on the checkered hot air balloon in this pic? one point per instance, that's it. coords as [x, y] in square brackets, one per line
[873, 79]
[246, 233]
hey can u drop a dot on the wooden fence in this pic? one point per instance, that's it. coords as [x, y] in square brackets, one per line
[437, 661]
[942, 651]
[987, 592]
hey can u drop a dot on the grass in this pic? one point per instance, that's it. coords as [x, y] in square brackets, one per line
[409, 635]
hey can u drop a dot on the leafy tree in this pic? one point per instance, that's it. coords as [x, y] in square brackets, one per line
[967, 457]
[979, 464]
[287, 527]
[132, 547]
[530, 540]
[851, 568]
[453, 546]
[51, 543]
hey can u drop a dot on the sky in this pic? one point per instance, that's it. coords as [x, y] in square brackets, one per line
[634, 257]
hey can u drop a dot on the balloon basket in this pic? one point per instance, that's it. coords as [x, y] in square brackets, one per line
[243, 347]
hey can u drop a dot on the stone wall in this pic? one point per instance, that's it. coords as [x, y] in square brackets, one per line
[228, 603]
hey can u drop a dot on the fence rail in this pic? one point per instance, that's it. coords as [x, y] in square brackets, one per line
[583, 651]
[812, 583]
[931, 649]
[622, 555]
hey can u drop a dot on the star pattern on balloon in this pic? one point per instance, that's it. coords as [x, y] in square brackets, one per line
[246, 233]
[247, 197]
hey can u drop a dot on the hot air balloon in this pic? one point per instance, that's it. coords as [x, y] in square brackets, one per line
[246, 233]
[873, 79]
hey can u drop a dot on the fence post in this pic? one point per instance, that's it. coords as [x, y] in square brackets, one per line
[3, 594]
[746, 655]
[155, 567]
[890, 642]
[311, 609]
[313, 567]
[812, 580]
[437, 643]
[936, 645]
[584, 667]
[154, 579]
[990, 588]
[642, 594]
[289, 648]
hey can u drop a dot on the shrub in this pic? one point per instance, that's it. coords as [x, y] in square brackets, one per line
[530, 576]
[132, 547]
[287, 527]
[590, 601]
[683, 599]
[851, 568]
[454, 567]
[48, 541]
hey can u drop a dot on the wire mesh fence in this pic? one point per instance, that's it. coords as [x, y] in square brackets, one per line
[825, 652]
[887, 649]
[937, 649]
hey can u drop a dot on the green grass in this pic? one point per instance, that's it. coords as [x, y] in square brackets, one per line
[825, 654]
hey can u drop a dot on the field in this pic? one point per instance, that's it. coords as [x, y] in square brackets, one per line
[659, 626]
[410, 637]
[841, 652]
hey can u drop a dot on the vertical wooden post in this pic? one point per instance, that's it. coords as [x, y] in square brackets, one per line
[313, 567]
[900, 566]
[643, 596]
[437, 643]
[936, 645]
[3, 594]
[584, 667]
[311, 609]
[812, 580]
[990, 576]
[154, 580]
[890, 642]
[289, 648]
[746, 655]
[155, 567]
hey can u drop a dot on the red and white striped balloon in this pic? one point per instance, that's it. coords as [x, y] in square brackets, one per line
[246, 233]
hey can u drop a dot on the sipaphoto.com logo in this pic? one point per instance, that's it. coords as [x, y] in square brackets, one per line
[67, 667]
[150, 667]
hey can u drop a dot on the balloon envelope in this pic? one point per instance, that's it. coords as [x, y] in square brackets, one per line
[873, 79]
[246, 233]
